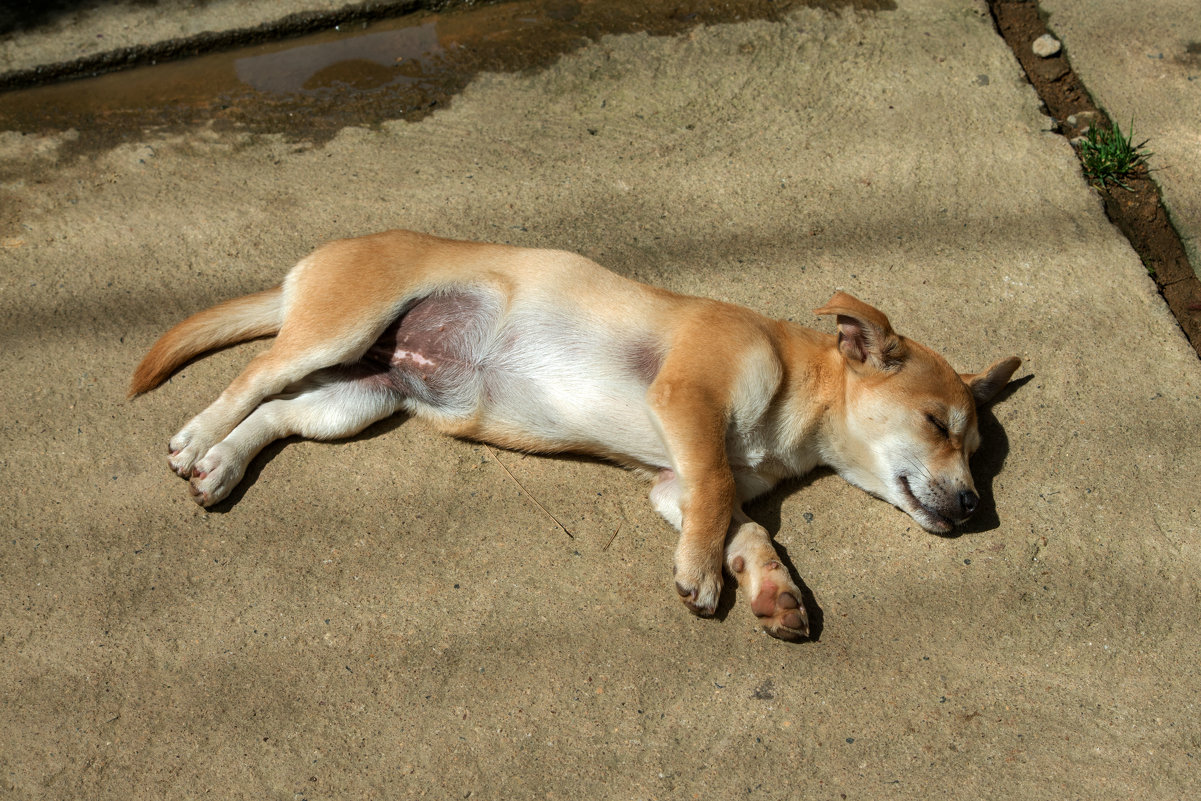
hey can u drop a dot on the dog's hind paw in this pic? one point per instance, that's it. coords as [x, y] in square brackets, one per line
[215, 476]
[183, 452]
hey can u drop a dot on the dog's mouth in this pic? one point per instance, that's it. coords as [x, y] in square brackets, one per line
[927, 517]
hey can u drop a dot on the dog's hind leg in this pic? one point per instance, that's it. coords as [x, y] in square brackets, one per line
[775, 599]
[330, 404]
[307, 342]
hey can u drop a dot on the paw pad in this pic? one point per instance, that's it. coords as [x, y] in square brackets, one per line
[780, 612]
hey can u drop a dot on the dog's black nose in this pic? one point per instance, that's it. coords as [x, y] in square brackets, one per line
[968, 501]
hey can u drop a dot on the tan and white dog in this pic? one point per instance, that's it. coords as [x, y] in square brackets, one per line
[546, 351]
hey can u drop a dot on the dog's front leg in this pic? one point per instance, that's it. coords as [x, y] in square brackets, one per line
[775, 599]
[698, 495]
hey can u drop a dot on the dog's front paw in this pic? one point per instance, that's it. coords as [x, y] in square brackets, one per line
[215, 476]
[699, 586]
[775, 599]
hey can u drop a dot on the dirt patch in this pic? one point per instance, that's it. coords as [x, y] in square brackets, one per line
[1136, 208]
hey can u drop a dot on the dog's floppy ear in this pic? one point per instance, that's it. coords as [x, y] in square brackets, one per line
[986, 385]
[864, 333]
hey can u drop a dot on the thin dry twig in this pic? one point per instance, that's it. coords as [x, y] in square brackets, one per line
[610, 542]
[527, 492]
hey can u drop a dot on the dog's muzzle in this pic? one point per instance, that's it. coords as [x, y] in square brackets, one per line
[942, 516]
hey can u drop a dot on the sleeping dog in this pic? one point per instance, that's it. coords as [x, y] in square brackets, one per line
[546, 351]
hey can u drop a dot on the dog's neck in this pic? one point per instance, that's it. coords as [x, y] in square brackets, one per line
[813, 394]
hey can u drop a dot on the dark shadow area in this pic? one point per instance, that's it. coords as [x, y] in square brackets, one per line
[728, 598]
[267, 454]
[765, 510]
[808, 600]
[988, 462]
[253, 471]
[21, 16]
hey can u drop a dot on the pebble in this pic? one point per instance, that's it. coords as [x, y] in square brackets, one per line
[1083, 119]
[1046, 46]
[1081, 123]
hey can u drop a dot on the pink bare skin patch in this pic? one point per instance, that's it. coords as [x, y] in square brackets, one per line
[413, 356]
[432, 352]
[436, 329]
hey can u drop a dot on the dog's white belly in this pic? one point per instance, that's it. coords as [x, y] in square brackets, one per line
[562, 405]
[535, 374]
[566, 380]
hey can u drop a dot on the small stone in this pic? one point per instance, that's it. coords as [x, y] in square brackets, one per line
[1082, 118]
[1082, 121]
[1046, 46]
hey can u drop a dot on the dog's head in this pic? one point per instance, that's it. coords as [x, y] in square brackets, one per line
[909, 422]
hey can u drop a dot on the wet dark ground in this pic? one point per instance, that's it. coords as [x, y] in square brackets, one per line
[358, 73]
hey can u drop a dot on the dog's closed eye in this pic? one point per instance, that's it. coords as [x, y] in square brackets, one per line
[940, 425]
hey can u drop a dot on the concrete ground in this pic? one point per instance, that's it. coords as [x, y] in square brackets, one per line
[392, 617]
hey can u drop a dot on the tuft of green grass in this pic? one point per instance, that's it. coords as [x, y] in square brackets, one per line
[1109, 157]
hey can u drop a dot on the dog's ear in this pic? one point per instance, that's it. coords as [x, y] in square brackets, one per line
[986, 385]
[864, 333]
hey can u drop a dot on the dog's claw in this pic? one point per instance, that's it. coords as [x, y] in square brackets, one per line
[690, 600]
[200, 496]
[701, 602]
[698, 583]
[791, 630]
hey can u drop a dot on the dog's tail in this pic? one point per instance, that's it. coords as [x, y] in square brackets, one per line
[237, 320]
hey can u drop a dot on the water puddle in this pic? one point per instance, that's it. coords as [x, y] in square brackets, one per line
[312, 86]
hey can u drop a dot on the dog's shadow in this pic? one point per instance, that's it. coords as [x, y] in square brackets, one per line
[267, 454]
[988, 462]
